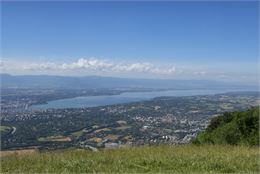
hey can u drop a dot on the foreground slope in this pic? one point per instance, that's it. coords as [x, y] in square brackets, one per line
[164, 159]
[214, 155]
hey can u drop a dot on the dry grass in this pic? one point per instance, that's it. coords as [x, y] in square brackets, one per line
[17, 152]
[160, 159]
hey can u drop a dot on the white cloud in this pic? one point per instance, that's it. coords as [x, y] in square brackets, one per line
[93, 65]
[1, 63]
[200, 73]
[40, 66]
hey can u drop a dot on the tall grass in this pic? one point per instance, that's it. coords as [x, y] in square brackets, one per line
[158, 159]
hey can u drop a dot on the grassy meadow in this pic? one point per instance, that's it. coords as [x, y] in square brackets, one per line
[156, 159]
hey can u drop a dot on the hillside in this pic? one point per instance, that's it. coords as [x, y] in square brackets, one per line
[213, 155]
[235, 128]
[156, 159]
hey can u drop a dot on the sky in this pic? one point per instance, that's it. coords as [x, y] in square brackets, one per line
[175, 40]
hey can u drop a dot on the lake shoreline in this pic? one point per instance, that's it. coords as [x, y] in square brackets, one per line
[126, 97]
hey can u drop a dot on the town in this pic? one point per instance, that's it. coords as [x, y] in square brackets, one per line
[162, 120]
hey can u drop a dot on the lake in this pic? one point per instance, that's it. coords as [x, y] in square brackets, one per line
[127, 97]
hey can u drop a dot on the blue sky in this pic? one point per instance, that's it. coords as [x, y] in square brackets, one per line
[190, 40]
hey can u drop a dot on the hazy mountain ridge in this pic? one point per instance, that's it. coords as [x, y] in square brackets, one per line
[48, 81]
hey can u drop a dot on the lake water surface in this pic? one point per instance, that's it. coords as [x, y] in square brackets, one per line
[127, 97]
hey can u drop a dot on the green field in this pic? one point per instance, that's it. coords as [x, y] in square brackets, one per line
[54, 138]
[157, 159]
[77, 133]
[4, 128]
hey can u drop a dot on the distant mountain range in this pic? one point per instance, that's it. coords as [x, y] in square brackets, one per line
[67, 82]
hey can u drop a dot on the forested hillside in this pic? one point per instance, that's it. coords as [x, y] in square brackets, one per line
[235, 128]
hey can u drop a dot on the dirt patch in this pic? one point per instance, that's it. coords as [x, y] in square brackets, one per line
[112, 137]
[17, 152]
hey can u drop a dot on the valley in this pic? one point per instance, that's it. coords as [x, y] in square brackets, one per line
[162, 120]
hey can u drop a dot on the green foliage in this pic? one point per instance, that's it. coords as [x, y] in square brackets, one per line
[155, 159]
[236, 128]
